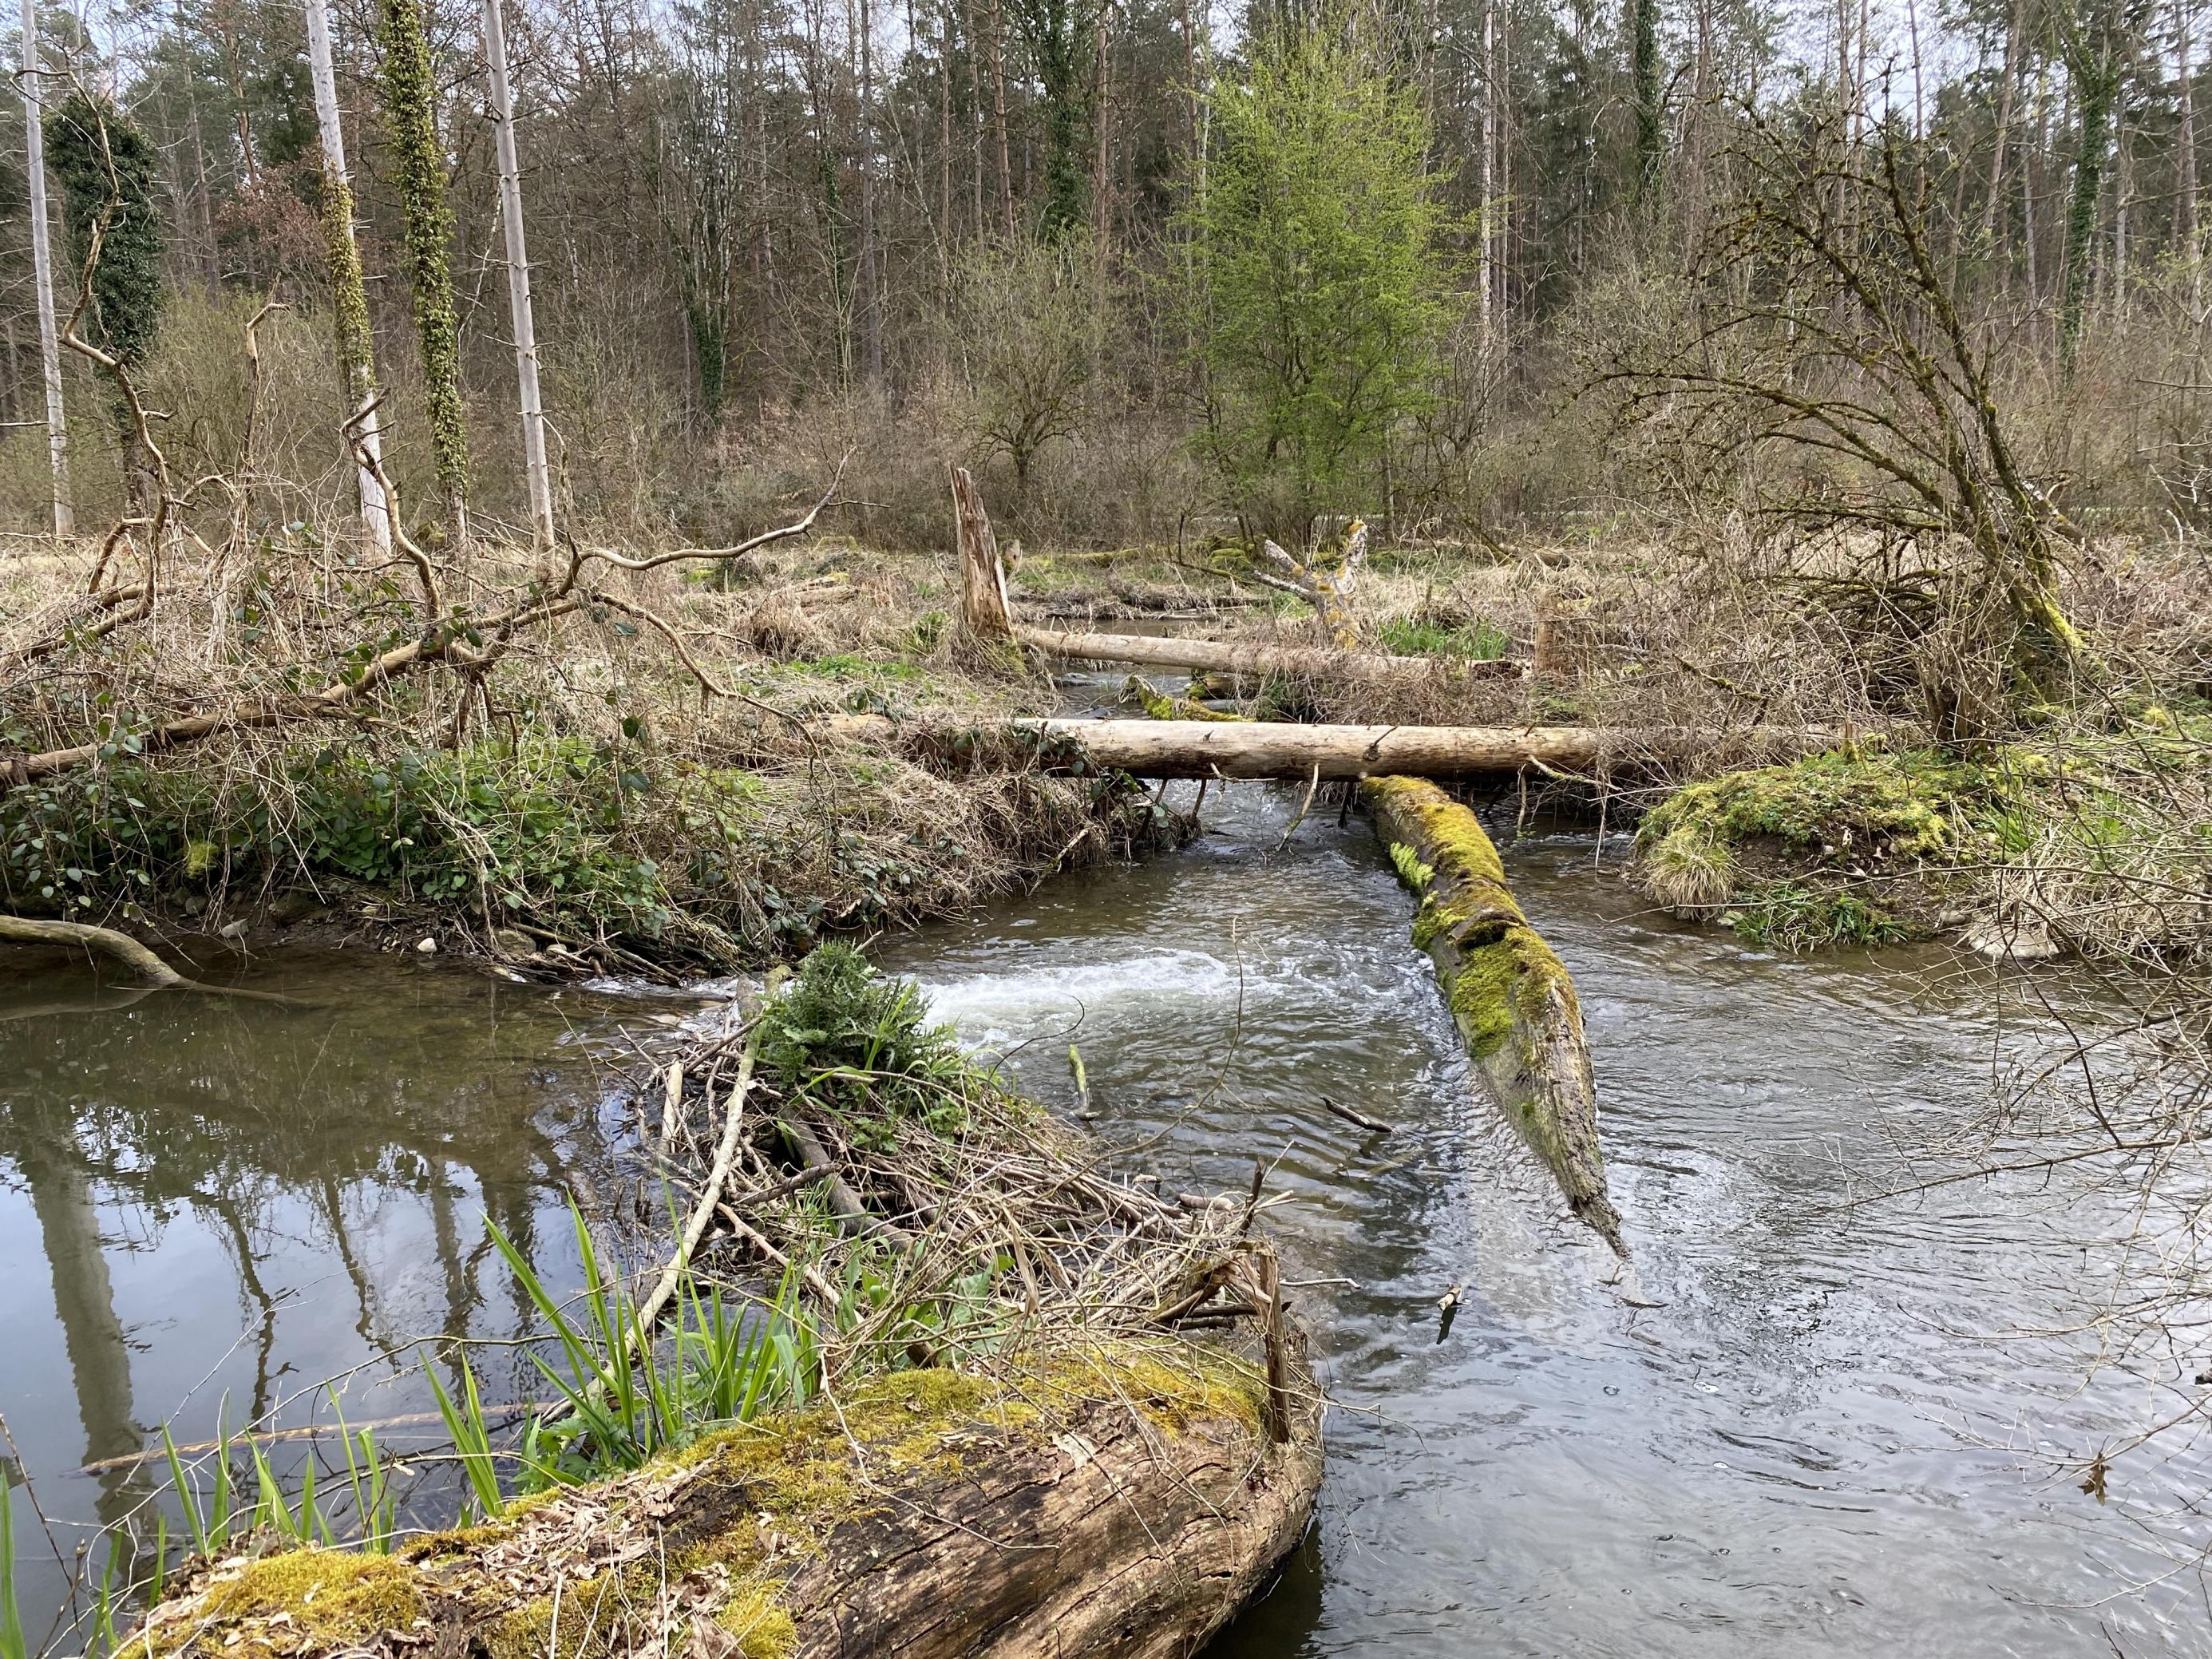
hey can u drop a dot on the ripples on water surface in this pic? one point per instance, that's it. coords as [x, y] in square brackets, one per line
[1815, 1445]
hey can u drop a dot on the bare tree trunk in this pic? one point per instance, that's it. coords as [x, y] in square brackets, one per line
[349, 303]
[42, 278]
[872, 299]
[2007, 80]
[999, 114]
[1486, 174]
[2184, 137]
[518, 280]
[983, 606]
[944, 143]
[1102, 178]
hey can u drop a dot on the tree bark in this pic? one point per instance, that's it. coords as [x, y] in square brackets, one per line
[42, 279]
[982, 582]
[2185, 135]
[539, 477]
[999, 115]
[1644, 24]
[2097, 76]
[1257, 661]
[1116, 1507]
[348, 299]
[411, 106]
[1509, 994]
[1266, 749]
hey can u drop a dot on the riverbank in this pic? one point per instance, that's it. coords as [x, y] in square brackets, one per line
[902, 1297]
[2096, 840]
[647, 788]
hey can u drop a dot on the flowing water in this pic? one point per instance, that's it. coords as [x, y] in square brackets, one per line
[1803, 1426]
[1817, 1440]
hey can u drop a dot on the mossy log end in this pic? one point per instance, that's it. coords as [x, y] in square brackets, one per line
[1124, 1503]
[1510, 994]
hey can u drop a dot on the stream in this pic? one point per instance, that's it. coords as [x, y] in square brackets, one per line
[1807, 1425]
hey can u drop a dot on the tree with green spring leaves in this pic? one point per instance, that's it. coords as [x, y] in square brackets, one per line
[1318, 280]
[107, 167]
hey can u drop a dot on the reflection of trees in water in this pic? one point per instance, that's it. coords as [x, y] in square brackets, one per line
[400, 1086]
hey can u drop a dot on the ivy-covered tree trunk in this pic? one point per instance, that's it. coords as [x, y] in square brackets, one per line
[1643, 26]
[348, 301]
[1057, 32]
[107, 167]
[2098, 77]
[409, 108]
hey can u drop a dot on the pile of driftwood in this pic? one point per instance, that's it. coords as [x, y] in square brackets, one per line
[1102, 1439]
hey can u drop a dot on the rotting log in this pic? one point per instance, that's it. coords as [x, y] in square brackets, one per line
[1119, 1499]
[1509, 994]
[1273, 749]
[1255, 660]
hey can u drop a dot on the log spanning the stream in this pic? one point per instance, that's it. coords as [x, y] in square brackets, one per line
[1510, 994]
[1271, 749]
[1254, 660]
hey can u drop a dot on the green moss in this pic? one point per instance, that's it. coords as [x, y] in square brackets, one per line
[1913, 805]
[1465, 898]
[1504, 986]
[1411, 871]
[763, 1630]
[331, 1596]
[1158, 706]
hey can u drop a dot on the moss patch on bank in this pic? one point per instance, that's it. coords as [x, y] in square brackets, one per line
[1867, 846]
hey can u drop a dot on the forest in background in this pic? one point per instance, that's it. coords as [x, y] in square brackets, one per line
[973, 229]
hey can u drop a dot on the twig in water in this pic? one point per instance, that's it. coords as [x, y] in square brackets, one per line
[1374, 1125]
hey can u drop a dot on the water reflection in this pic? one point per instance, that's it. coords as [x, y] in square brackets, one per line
[234, 1200]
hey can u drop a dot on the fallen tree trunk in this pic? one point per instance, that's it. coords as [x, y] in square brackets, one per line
[121, 947]
[1254, 660]
[1510, 994]
[1269, 749]
[1123, 1501]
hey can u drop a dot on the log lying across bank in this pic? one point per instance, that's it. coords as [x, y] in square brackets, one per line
[1269, 749]
[1251, 660]
[1509, 994]
[1122, 1500]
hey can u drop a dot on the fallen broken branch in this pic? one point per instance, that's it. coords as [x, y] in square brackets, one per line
[1510, 994]
[121, 947]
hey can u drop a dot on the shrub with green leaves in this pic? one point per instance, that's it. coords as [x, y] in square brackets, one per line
[860, 1043]
[1317, 277]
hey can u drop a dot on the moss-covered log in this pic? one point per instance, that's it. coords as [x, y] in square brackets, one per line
[1510, 994]
[1123, 1502]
